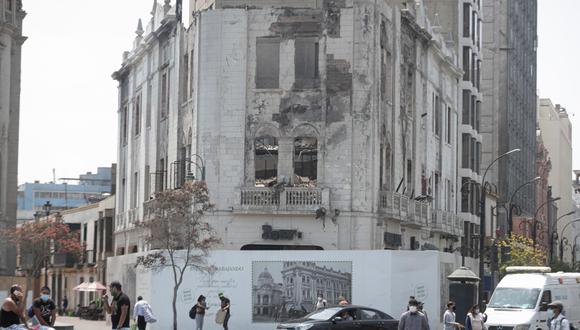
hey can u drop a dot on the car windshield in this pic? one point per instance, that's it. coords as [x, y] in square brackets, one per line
[323, 314]
[514, 298]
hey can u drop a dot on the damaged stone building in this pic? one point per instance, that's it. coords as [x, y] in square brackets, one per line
[317, 124]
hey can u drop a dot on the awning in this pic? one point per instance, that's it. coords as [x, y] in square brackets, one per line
[90, 287]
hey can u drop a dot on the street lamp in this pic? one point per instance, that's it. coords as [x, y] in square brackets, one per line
[510, 220]
[482, 224]
[564, 238]
[46, 207]
[550, 200]
[554, 235]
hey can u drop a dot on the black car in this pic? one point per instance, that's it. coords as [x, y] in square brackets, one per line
[343, 318]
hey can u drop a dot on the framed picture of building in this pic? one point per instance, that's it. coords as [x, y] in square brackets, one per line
[284, 290]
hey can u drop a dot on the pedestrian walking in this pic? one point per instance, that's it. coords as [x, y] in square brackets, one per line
[12, 310]
[64, 305]
[321, 303]
[119, 306]
[44, 309]
[200, 308]
[449, 318]
[225, 310]
[474, 320]
[557, 320]
[413, 319]
[143, 313]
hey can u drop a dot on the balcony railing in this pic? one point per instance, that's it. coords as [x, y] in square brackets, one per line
[446, 223]
[289, 199]
[399, 206]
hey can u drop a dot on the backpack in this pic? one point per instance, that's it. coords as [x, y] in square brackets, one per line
[572, 327]
[192, 312]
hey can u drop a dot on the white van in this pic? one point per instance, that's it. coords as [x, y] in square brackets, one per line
[520, 301]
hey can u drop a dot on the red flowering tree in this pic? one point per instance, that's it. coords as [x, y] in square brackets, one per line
[176, 233]
[38, 241]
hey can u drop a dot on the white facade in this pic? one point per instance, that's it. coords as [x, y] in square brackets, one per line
[11, 40]
[353, 125]
[556, 131]
[95, 225]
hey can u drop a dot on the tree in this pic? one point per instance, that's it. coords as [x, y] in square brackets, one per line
[522, 252]
[177, 236]
[39, 241]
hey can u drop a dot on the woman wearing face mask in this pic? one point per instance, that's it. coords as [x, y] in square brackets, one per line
[474, 319]
[12, 311]
[449, 318]
[44, 309]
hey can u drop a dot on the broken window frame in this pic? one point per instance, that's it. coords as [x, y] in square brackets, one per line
[305, 168]
[307, 75]
[267, 66]
[266, 150]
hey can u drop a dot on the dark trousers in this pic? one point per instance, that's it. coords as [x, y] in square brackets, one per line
[141, 324]
[227, 318]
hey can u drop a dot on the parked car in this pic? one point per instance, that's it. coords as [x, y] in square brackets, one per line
[343, 318]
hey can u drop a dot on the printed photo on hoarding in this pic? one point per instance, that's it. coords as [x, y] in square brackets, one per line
[285, 290]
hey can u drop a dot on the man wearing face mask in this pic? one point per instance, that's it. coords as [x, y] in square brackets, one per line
[119, 307]
[556, 320]
[413, 319]
[449, 318]
[44, 309]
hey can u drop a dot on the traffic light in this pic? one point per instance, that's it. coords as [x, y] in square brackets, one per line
[505, 253]
[494, 257]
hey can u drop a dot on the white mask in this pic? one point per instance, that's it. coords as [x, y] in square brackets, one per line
[413, 309]
[476, 311]
[550, 313]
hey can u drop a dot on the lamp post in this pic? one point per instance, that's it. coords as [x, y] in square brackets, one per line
[564, 238]
[482, 224]
[550, 200]
[554, 235]
[574, 250]
[510, 219]
[46, 207]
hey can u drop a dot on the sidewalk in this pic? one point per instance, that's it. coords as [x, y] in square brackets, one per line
[83, 324]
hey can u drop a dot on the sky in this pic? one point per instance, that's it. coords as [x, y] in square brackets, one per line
[69, 100]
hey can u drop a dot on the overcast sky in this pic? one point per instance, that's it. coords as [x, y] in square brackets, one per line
[69, 100]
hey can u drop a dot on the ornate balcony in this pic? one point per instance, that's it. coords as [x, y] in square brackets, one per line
[400, 207]
[446, 223]
[287, 200]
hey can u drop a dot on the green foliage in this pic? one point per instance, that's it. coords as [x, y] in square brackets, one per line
[560, 266]
[522, 253]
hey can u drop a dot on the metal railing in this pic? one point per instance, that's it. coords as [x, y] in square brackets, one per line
[288, 199]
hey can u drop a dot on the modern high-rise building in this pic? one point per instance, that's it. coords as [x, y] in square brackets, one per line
[11, 40]
[508, 117]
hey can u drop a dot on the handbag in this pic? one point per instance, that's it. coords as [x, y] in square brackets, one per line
[220, 316]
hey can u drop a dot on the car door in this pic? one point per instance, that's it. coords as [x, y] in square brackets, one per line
[371, 319]
[342, 324]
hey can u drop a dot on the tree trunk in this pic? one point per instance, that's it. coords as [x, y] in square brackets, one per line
[174, 306]
[28, 285]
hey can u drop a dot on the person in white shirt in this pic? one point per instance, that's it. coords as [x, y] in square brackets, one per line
[556, 320]
[142, 313]
[449, 318]
[321, 303]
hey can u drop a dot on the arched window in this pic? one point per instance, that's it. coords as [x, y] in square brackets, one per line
[305, 161]
[266, 161]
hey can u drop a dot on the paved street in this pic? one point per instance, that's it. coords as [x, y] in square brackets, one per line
[83, 324]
